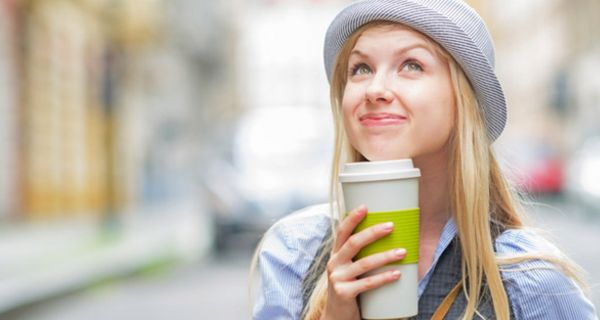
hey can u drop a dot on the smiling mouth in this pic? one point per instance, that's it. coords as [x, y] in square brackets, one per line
[381, 119]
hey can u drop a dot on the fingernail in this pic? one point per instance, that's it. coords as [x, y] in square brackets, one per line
[396, 274]
[388, 226]
[399, 252]
[361, 210]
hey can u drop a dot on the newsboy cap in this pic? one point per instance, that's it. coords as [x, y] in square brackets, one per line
[452, 24]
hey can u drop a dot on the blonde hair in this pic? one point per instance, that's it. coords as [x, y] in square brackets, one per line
[481, 196]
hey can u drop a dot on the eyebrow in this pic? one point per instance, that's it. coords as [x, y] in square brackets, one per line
[400, 51]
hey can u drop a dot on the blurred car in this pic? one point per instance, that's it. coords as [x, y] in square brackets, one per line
[535, 167]
[279, 162]
[583, 175]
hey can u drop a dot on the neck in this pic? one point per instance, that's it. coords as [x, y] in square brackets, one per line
[434, 201]
[434, 205]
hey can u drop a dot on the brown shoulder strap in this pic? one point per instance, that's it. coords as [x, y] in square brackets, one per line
[444, 307]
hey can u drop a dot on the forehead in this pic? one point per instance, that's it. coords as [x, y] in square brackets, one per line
[393, 34]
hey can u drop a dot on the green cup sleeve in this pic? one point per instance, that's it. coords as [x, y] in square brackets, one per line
[405, 234]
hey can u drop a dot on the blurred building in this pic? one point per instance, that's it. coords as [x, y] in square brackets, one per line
[579, 81]
[540, 52]
[8, 111]
[541, 48]
[63, 121]
[108, 112]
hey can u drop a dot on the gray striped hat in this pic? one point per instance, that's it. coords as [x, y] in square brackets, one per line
[452, 24]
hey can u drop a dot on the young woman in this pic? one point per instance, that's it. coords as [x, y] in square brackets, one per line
[415, 79]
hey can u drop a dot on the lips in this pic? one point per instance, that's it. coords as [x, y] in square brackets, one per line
[381, 119]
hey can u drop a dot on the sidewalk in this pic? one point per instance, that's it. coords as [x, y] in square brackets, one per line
[41, 261]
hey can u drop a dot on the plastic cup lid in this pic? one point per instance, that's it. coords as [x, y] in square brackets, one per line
[378, 170]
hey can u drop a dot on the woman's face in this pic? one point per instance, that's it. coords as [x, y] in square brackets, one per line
[398, 101]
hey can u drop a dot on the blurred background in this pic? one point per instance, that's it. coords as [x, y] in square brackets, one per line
[146, 145]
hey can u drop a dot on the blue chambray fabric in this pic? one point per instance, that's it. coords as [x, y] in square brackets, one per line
[536, 289]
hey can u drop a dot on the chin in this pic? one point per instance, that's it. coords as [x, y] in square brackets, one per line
[383, 156]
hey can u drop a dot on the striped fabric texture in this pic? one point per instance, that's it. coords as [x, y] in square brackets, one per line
[537, 290]
[452, 24]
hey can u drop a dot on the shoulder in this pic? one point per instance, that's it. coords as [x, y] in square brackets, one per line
[537, 287]
[523, 241]
[284, 256]
[299, 232]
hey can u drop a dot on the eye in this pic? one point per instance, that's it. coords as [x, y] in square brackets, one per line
[412, 66]
[360, 69]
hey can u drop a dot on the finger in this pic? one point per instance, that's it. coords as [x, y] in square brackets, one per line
[359, 286]
[361, 239]
[369, 263]
[348, 224]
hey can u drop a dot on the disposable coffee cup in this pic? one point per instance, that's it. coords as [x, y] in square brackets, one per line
[390, 190]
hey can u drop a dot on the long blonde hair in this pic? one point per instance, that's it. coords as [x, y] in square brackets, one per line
[481, 196]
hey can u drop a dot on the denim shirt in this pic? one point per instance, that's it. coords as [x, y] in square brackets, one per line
[536, 289]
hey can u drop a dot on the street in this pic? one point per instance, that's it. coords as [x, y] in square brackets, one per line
[218, 287]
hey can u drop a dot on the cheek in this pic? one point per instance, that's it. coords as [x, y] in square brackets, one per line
[445, 122]
[449, 109]
[442, 119]
[436, 118]
[350, 101]
[442, 104]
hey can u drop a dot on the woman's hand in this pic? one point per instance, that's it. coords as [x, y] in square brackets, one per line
[343, 285]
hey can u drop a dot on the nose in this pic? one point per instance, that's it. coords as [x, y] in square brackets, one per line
[377, 91]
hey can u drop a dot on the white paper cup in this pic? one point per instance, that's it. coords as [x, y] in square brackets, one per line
[390, 190]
